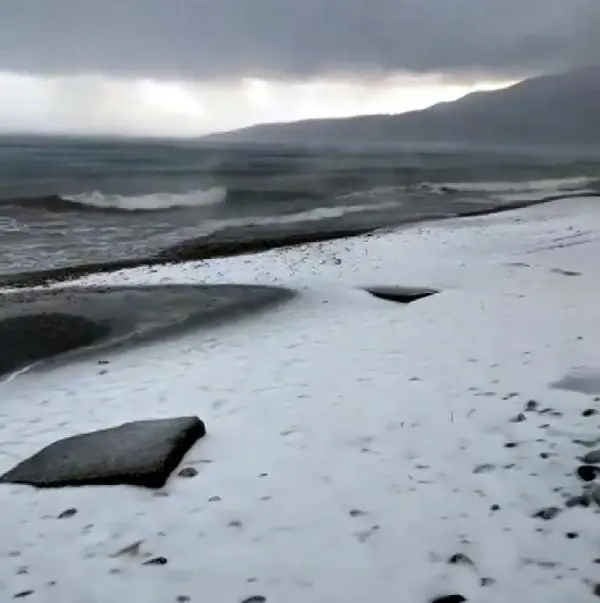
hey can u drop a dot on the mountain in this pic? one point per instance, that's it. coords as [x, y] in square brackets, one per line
[561, 109]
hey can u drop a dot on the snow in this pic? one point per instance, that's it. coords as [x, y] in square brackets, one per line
[343, 430]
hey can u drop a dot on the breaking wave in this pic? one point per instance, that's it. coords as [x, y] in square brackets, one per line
[97, 201]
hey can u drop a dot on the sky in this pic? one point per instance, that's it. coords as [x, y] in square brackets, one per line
[188, 67]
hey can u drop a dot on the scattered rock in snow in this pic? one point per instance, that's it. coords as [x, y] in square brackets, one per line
[356, 513]
[140, 453]
[578, 501]
[588, 473]
[449, 599]
[484, 468]
[592, 458]
[460, 559]
[547, 513]
[402, 295]
[589, 412]
[188, 472]
[519, 418]
[595, 494]
[23, 594]
[531, 406]
[67, 513]
[156, 561]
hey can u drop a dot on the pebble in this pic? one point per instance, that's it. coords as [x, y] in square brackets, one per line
[587, 473]
[67, 513]
[595, 494]
[156, 561]
[547, 513]
[460, 559]
[592, 458]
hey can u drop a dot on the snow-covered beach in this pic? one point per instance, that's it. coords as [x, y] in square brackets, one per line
[357, 449]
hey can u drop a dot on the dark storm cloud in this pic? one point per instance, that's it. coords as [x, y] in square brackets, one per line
[226, 38]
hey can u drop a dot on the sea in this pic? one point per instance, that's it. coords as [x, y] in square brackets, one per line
[66, 201]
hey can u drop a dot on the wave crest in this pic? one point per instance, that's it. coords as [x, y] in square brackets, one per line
[99, 202]
[152, 202]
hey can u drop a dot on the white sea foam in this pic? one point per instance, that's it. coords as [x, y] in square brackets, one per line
[151, 202]
[517, 190]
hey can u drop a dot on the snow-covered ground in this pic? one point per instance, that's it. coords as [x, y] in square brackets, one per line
[354, 445]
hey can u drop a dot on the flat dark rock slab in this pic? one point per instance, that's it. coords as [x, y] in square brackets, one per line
[141, 453]
[402, 295]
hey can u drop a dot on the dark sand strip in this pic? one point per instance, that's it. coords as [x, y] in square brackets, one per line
[259, 238]
[38, 325]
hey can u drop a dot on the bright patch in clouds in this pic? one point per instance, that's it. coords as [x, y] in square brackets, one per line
[144, 107]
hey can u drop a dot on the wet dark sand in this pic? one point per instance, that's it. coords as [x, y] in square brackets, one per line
[255, 239]
[39, 325]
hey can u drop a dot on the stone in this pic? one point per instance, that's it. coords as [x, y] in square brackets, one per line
[156, 561]
[67, 513]
[188, 472]
[140, 453]
[460, 559]
[449, 599]
[588, 473]
[547, 513]
[592, 458]
[402, 295]
[595, 494]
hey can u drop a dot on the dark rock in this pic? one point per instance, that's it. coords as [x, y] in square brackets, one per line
[572, 535]
[486, 582]
[188, 472]
[495, 508]
[255, 599]
[29, 338]
[510, 445]
[484, 468]
[183, 598]
[589, 412]
[592, 458]
[577, 501]
[357, 513]
[23, 594]
[565, 272]
[449, 599]
[547, 513]
[596, 590]
[156, 561]
[519, 418]
[141, 453]
[595, 494]
[67, 513]
[402, 295]
[532, 406]
[587, 473]
[460, 559]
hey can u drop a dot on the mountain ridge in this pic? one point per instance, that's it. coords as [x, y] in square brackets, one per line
[549, 109]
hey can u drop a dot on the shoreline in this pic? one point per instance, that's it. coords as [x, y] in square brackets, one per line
[228, 243]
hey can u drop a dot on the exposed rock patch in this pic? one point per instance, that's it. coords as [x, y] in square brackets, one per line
[401, 295]
[140, 453]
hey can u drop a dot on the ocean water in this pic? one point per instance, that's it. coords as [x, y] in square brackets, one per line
[67, 201]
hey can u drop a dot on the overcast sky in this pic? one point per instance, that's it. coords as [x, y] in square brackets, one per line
[206, 60]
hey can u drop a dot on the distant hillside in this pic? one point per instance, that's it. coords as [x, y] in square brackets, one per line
[553, 109]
